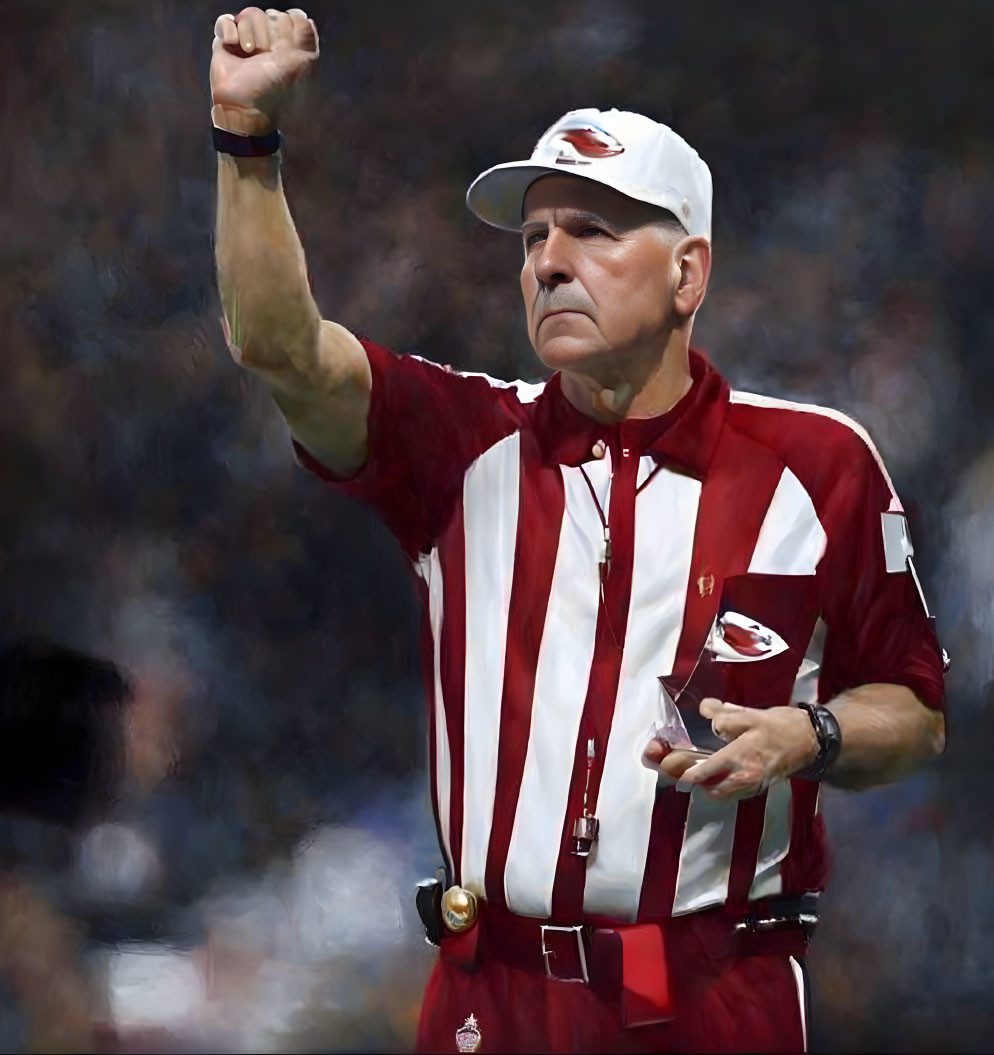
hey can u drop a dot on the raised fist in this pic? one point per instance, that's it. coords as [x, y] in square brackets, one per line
[258, 57]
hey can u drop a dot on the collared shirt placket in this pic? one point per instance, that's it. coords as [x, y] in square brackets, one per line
[605, 671]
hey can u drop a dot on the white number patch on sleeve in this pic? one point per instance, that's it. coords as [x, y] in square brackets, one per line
[897, 541]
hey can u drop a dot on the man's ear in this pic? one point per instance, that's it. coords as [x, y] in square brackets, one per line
[693, 257]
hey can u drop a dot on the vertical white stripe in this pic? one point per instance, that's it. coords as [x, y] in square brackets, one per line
[561, 677]
[665, 519]
[774, 842]
[801, 1000]
[806, 683]
[706, 854]
[777, 821]
[647, 465]
[490, 517]
[791, 540]
[443, 768]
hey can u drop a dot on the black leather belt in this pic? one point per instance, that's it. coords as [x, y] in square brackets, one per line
[781, 925]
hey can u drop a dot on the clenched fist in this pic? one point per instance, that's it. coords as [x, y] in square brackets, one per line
[258, 57]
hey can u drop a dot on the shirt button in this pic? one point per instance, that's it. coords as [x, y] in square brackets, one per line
[598, 450]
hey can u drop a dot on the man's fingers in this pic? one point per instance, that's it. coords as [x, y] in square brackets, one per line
[654, 753]
[728, 720]
[260, 27]
[721, 762]
[305, 33]
[702, 770]
[723, 776]
[742, 784]
[710, 707]
[280, 26]
[226, 31]
[675, 764]
[728, 726]
[253, 30]
[246, 38]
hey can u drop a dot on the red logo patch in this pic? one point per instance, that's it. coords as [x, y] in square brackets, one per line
[745, 640]
[592, 142]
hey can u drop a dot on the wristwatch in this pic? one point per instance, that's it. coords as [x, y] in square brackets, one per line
[242, 146]
[826, 727]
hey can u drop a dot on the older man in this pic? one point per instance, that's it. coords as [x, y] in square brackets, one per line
[596, 554]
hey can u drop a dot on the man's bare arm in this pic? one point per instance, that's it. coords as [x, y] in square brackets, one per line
[886, 732]
[317, 370]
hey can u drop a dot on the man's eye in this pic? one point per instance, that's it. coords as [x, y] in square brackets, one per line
[532, 239]
[588, 231]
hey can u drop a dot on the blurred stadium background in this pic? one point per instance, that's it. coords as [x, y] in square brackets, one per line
[249, 888]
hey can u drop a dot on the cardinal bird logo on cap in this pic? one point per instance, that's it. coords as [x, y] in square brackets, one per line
[587, 142]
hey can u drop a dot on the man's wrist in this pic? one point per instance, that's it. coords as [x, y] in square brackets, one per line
[242, 122]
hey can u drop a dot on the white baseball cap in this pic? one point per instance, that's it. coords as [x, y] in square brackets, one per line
[631, 153]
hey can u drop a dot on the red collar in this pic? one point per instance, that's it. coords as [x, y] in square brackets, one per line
[685, 436]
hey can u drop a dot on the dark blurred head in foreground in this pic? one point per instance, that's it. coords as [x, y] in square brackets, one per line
[61, 732]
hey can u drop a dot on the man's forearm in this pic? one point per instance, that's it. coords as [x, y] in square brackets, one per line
[262, 275]
[886, 732]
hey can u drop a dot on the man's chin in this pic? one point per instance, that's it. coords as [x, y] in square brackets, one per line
[569, 353]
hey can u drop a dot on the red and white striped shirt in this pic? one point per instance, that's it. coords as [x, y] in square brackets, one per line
[496, 494]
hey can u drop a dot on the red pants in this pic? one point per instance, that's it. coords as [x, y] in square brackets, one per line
[722, 1002]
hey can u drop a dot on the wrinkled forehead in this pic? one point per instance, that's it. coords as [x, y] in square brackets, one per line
[565, 191]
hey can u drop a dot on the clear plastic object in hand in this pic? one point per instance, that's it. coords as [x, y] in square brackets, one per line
[670, 728]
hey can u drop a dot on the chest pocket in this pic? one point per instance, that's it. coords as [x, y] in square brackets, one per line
[757, 643]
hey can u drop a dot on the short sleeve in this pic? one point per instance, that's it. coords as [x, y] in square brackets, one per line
[427, 424]
[877, 625]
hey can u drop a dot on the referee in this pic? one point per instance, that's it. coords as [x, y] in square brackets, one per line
[660, 611]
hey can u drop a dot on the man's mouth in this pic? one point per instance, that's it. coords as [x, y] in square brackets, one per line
[562, 311]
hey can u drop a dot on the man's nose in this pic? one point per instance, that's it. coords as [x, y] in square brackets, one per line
[555, 264]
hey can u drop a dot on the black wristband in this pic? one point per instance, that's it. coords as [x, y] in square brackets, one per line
[226, 142]
[826, 727]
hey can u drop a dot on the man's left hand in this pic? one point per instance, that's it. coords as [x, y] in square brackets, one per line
[763, 746]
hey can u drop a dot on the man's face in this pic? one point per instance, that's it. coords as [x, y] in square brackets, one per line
[599, 276]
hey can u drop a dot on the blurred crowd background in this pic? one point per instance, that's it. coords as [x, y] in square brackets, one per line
[247, 638]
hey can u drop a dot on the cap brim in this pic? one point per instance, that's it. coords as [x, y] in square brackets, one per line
[497, 195]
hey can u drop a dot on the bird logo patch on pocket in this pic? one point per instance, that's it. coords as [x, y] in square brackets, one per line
[737, 638]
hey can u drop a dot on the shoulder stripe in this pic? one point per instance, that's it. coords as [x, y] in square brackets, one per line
[526, 391]
[753, 399]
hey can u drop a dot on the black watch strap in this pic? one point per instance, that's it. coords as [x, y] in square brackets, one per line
[826, 727]
[240, 146]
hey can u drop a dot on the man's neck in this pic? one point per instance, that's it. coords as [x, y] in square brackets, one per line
[643, 392]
